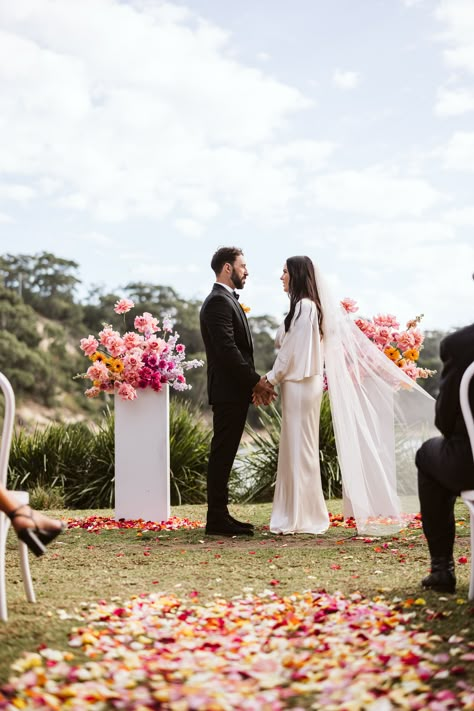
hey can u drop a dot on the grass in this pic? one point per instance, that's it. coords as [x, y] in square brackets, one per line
[83, 566]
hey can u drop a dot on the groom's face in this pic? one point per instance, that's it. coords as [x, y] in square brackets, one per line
[239, 272]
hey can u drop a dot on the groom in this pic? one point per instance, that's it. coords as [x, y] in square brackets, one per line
[231, 380]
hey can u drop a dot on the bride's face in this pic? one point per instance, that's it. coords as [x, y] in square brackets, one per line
[285, 278]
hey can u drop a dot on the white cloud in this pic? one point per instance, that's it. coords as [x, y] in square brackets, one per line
[120, 126]
[458, 19]
[16, 193]
[458, 153]
[263, 56]
[99, 240]
[454, 102]
[462, 216]
[375, 191]
[345, 79]
[189, 227]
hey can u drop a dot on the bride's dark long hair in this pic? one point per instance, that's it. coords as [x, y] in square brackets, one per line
[302, 285]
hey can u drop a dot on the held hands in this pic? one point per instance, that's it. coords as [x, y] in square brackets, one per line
[263, 392]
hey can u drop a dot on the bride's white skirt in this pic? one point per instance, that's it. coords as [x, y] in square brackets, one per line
[298, 505]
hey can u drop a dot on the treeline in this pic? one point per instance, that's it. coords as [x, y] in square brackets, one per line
[42, 322]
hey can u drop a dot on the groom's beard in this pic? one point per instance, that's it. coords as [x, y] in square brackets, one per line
[236, 280]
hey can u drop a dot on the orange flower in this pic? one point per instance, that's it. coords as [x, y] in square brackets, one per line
[401, 362]
[246, 309]
[98, 356]
[116, 365]
[392, 353]
[411, 354]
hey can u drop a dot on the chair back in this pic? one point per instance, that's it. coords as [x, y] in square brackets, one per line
[7, 431]
[465, 404]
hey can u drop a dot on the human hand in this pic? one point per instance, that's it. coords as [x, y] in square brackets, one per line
[263, 392]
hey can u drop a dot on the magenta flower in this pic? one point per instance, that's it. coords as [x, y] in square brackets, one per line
[180, 348]
[123, 306]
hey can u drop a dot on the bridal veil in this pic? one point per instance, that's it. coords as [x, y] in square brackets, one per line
[380, 418]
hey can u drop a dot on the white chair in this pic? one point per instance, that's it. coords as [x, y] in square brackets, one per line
[22, 497]
[468, 496]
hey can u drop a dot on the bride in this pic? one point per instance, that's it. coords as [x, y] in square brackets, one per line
[379, 415]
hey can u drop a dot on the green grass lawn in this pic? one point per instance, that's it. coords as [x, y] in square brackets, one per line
[85, 567]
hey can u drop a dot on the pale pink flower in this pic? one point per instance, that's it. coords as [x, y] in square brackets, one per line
[131, 340]
[406, 340]
[106, 334]
[146, 323]
[115, 346]
[125, 391]
[387, 320]
[418, 337]
[123, 306]
[155, 345]
[92, 392]
[89, 345]
[98, 371]
[349, 304]
[133, 378]
[382, 336]
[133, 359]
[411, 370]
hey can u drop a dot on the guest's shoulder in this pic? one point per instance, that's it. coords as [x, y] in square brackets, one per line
[460, 340]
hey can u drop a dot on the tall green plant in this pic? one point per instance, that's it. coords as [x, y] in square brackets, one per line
[78, 459]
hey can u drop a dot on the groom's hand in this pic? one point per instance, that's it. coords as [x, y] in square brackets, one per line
[263, 392]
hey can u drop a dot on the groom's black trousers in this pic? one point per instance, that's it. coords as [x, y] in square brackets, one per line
[229, 422]
[445, 468]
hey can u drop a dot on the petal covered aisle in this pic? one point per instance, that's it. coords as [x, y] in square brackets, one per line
[308, 650]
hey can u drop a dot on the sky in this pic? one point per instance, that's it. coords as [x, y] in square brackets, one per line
[137, 137]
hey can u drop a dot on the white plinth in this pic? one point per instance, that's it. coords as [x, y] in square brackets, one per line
[142, 456]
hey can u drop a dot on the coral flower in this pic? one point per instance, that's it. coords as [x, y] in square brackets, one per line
[122, 306]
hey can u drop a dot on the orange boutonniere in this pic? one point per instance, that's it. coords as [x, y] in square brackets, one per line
[246, 309]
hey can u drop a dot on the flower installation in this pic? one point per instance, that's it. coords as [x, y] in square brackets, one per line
[401, 346]
[305, 650]
[123, 364]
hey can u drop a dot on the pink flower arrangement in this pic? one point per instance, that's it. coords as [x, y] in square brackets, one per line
[401, 346]
[123, 364]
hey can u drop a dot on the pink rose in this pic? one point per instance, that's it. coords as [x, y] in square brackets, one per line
[146, 323]
[89, 345]
[98, 371]
[106, 334]
[92, 392]
[115, 346]
[131, 340]
[155, 345]
[382, 336]
[349, 304]
[126, 391]
[123, 306]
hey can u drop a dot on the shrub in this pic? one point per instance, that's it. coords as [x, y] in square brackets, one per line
[77, 460]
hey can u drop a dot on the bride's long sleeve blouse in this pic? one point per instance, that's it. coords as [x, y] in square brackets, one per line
[300, 352]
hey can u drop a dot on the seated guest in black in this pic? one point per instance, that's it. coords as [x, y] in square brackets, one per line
[445, 464]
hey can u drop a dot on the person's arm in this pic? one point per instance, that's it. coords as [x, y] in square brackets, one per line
[218, 319]
[299, 355]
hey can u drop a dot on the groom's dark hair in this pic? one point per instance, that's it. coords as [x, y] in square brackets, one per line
[224, 255]
[302, 285]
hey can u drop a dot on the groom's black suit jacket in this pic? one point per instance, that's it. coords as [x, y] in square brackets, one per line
[231, 373]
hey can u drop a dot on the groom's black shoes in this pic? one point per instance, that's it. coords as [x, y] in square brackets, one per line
[225, 525]
[242, 524]
[442, 578]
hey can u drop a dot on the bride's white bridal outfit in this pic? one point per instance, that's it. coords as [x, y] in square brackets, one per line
[298, 505]
[380, 417]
